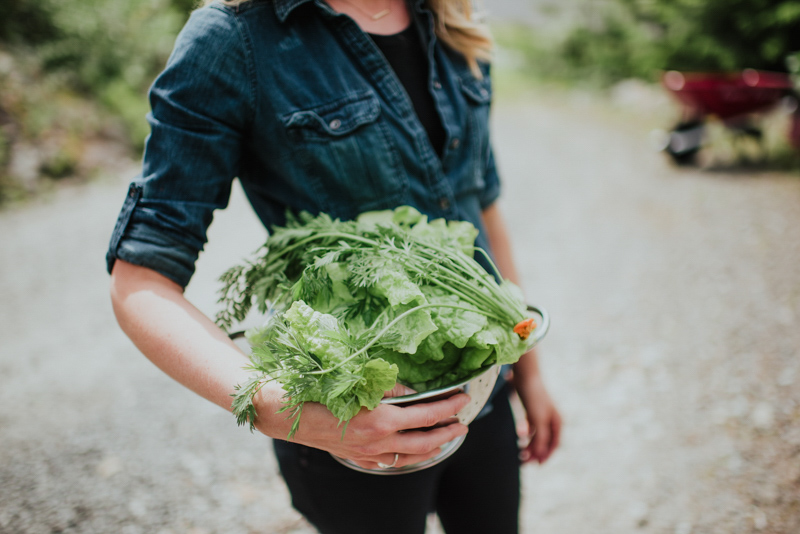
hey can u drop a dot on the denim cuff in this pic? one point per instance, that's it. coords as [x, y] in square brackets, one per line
[135, 241]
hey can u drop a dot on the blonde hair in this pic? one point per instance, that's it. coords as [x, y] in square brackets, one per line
[456, 25]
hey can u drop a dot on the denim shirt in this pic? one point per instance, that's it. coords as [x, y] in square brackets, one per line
[296, 101]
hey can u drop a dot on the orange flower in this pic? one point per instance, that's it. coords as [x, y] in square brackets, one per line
[524, 328]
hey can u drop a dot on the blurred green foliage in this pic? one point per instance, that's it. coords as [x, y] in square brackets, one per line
[793, 63]
[71, 68]
[112, 50]
[26, 21]
[618, 39]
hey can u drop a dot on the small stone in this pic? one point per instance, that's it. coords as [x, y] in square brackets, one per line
[786, 378]
[197, 466]
[767, 494]
[109, 466]
[137, 507]
[785, 315]
[763, 416]
[735, 463]
[738, 406]
[639, 512]
[759, 519]
[792, 437]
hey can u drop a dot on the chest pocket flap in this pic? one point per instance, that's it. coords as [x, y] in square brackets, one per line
[477, 91]
[334, 119]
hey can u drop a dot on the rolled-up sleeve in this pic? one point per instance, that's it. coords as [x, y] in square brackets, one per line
[201, 108]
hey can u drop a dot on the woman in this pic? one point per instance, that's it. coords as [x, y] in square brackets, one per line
[340, 106]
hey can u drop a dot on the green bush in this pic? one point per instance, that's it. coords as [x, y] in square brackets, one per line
[619, 39]
[793, 64]
[103, 49]
[67, 64]
[719, 34]
[113, 50]
[26, 21]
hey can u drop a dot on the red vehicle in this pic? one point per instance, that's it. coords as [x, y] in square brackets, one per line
[734, 98]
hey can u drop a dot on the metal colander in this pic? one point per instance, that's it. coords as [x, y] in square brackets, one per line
[478, 386]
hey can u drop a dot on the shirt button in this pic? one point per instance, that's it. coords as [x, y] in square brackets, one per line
[335, 124]
[484, 93]
[437, 85]
[444, 203]
[455, 142]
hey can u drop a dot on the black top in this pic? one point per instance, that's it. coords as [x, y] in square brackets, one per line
[409, 61]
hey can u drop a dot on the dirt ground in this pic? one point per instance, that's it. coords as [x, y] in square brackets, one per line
[674, 353]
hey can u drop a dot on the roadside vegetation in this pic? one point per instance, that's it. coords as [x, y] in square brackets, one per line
[73, 77]
[607, 41]
[616, 51]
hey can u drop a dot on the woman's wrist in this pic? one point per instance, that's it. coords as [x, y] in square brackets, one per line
[527, 367]
[267, 403]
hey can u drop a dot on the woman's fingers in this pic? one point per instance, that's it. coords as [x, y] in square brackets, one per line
[415, 432]
[541, 443]
[428, 414]
[546, 439]
[398, 390]
[420, 442]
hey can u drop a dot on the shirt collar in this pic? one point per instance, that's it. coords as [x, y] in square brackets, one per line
[284, 7]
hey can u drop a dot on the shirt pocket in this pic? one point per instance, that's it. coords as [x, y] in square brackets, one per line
[346, 154]
[477, 98]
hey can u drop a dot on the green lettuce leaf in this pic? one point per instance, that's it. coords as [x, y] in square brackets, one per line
[317, 332]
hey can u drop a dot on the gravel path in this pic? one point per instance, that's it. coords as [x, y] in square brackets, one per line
[673, 354]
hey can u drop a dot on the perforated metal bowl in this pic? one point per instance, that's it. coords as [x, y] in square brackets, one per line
[478, 386]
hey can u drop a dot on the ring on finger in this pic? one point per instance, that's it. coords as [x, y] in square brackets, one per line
[388, 466]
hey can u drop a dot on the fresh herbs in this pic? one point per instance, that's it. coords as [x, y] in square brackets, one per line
[356, 306]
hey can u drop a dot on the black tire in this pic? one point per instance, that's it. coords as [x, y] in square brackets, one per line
[685, 141]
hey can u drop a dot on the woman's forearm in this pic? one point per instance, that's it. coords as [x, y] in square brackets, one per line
[178, 338]
[188, 346]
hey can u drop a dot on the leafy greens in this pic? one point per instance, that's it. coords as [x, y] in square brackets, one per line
[357, 306]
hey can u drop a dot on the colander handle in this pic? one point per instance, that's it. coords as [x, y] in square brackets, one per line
[541, 327]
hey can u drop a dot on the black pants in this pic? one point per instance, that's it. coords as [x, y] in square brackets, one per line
[476, 490]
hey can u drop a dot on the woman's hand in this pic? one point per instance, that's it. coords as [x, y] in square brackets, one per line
[543, 430]
[413, 433]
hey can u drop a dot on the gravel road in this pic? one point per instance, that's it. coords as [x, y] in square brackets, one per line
[675, 297]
